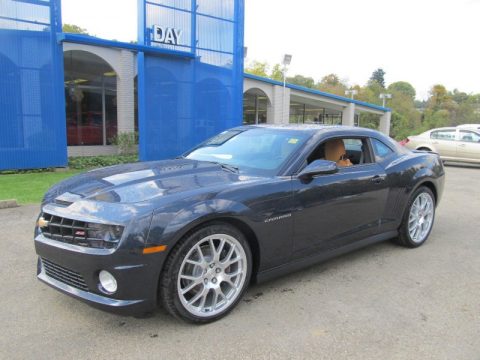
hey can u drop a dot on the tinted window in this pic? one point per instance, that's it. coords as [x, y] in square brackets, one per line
[469, 136]
[443, 134]
[381, 150]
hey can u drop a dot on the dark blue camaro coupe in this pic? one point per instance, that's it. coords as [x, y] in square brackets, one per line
[249, 204]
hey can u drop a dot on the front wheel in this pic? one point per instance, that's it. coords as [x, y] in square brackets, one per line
[207, 273]
[418, 219]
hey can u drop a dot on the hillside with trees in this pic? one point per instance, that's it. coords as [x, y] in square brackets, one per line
[409, 116]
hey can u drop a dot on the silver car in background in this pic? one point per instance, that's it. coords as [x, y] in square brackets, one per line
[461, 143]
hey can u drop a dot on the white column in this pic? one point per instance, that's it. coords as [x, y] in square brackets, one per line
[385, 123]
[270, 114]
[125, 93]
[281, 105]
[348, 115]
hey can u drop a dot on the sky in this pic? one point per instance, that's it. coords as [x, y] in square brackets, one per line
[423, 42]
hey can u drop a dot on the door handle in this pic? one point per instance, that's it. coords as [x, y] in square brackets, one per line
[377, 179]
[462, 145]
[435, 143]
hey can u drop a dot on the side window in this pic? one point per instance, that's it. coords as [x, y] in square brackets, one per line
[469, 136]
[344, 151]
[381, 150]
[443, 134]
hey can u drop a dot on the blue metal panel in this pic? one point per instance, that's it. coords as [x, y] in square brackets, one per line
[32, 104]
[184, 101]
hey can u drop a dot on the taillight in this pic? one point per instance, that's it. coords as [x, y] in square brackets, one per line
[404, 141]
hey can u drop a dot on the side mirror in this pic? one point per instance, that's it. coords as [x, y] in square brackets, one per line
[318, 167]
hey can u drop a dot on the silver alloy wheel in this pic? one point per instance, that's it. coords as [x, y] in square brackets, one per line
[212, 275]
[420, 219]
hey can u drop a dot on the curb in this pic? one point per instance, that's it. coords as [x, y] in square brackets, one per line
[7, 204]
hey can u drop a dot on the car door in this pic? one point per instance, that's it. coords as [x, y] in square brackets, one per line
[468, 145]
[334, 210]
[444, 142]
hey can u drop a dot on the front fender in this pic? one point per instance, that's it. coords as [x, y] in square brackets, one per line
[167, 227]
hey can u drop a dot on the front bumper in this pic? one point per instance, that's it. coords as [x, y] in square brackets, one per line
[136, 274]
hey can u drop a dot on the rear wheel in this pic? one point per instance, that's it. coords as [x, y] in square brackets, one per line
[418, 219]
[207, 274]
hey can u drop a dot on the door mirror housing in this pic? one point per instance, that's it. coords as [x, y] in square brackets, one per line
[318, 167]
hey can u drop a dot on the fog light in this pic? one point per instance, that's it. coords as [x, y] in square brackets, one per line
[107, 281]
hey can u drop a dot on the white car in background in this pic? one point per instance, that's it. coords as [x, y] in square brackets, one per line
[461, 143]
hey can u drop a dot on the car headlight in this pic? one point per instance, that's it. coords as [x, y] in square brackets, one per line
[108, 233]
[108, 282]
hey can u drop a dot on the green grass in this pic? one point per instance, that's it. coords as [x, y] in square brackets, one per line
[30, 188]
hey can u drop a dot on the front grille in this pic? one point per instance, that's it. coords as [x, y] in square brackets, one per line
[64, 275]
[80, 233]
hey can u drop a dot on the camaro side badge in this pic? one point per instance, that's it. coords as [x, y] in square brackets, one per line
[277, 218]
[42, 223]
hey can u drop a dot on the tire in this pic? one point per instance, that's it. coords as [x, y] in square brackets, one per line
[418, 219]
[206, 274]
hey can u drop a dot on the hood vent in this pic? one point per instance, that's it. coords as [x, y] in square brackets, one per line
[67, 199]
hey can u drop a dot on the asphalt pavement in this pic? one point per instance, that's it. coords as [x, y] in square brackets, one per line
[382, 302]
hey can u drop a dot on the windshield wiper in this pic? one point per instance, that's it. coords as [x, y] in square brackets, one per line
[224, 166]
[228, 167]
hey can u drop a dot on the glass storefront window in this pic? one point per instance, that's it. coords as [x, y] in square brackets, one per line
[255, 104]
[301, 113]
[90, 98]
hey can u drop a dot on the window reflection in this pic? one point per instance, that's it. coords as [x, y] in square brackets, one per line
[90, 98]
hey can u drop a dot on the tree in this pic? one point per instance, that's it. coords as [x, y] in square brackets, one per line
[420, 104]
[331, 83]
[440, 99]
[467, 108]
[258, 68]
[74, 29]
[403, 87]
[441, 109]
[378, 76]
[330, 80]
[301, 80]
[459, 96]
[277, 72]
[406, 119]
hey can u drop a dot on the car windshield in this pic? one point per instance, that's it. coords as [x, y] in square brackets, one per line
[256, 151]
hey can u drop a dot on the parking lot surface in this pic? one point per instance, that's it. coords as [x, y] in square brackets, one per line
[382, 302]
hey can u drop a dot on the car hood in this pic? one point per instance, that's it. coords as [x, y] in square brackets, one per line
[142, 182]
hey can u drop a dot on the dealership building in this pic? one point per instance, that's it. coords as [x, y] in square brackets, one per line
[70, 95]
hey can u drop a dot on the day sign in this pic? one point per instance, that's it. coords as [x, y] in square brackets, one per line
[166, 35]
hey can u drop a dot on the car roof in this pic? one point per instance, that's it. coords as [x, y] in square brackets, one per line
[468, 125]
[442, 128]
[316, 128]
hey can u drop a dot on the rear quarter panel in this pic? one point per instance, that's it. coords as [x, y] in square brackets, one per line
[404, 175]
